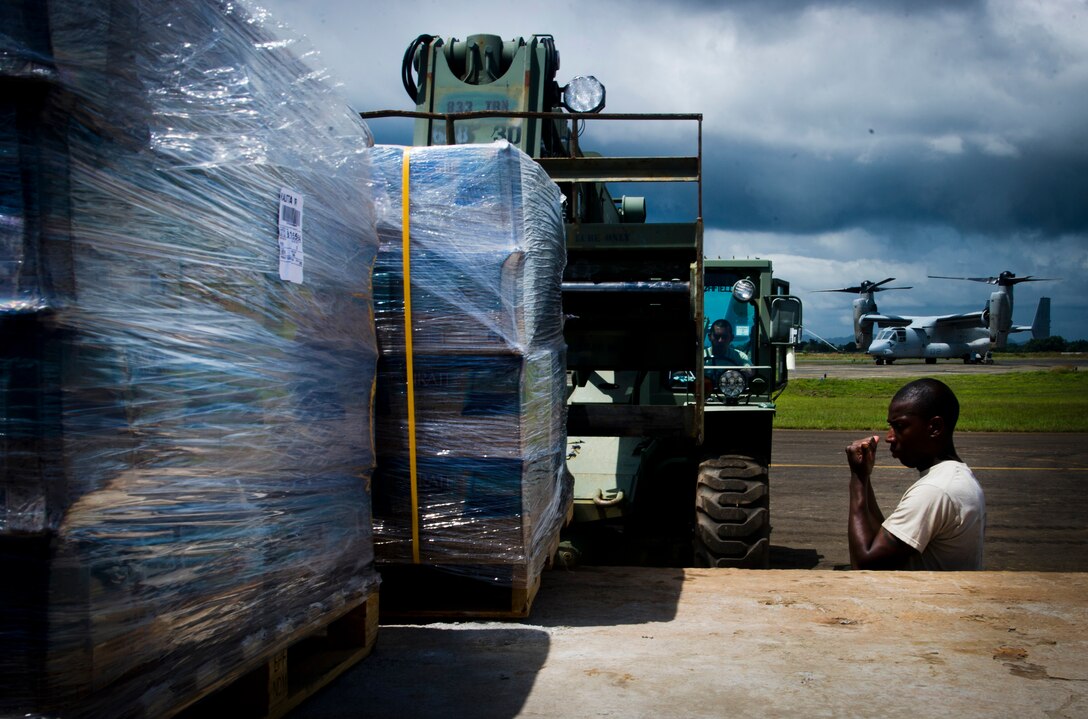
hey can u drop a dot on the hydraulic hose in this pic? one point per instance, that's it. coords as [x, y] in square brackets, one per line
[409, 82]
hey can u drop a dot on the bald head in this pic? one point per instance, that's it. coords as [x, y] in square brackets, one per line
[930, 398]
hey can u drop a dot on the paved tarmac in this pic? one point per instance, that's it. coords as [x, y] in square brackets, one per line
[1036, 503]
[1034, 483]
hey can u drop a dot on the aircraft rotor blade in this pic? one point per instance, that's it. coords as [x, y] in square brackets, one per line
[987, 280]
[867, 286]
[852, 290]
[1004, 279]
[1029, 278]
[878, 286]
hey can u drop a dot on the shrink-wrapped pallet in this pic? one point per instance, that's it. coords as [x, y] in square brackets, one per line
[188, 351]
[470, 439]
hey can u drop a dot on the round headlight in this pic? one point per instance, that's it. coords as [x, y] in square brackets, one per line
[584, 93]
[731, 383]
[744, 290]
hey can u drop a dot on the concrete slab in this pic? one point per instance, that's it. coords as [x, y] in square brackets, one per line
[643, 642]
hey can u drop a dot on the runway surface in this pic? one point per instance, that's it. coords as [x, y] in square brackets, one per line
[1036, 502]
[1034, 483]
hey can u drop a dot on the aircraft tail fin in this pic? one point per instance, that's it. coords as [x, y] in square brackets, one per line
[1040, 326]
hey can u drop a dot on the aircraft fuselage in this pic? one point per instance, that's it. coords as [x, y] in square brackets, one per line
[928, 342]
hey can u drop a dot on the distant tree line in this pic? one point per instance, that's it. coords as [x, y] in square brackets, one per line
[1048, 344]
[816, 346]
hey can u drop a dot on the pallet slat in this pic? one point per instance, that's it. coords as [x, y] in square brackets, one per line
[471, 591]
[288, 675]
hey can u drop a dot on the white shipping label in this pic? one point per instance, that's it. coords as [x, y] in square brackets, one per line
[291, 256]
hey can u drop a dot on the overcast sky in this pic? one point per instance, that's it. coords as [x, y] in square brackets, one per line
[846, 141]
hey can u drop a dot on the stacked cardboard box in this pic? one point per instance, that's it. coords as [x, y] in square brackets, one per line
[188, 352]
[486, 424]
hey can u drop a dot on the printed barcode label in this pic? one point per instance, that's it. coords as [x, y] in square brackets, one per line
[290, 215]
[290, 235]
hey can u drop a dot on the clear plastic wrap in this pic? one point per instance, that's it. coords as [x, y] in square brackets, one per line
[486, 262]
[186, 435]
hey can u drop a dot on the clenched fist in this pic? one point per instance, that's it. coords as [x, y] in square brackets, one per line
[861, 454]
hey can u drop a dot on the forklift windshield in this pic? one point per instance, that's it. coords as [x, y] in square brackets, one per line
[719, 304]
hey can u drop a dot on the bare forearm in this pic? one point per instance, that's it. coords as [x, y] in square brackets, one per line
[859, 531]
[864, 521]
[872, 506]
[871, 547]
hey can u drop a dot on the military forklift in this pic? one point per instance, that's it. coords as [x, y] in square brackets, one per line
[673, 360]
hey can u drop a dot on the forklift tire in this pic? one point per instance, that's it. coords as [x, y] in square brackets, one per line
[734, 554]
[732, 513]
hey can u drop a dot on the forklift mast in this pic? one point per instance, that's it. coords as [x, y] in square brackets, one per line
[632, 291]
[665, 436]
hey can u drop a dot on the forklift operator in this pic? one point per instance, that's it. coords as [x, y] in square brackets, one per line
[721, 351]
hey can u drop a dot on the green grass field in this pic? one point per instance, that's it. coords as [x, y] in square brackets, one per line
[1044, 401]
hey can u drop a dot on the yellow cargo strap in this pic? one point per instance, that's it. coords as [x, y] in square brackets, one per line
[406, 266]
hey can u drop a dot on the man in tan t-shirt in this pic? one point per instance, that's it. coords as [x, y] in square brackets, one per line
[941, 520]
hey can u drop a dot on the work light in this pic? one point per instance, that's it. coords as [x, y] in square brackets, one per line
[584, 93]
[744, 290]
[731, 383]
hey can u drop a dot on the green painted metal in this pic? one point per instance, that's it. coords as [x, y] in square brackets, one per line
[483, 73]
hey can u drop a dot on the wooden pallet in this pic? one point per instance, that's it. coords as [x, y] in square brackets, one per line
[303, 663]
[461, 591]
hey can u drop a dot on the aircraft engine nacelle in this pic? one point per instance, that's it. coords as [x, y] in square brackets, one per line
[999, 314]
[863, 329]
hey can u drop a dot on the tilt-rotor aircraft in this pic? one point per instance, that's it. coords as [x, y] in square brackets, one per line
[971, 336]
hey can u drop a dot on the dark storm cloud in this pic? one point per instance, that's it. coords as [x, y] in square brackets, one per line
[751, 8]
[844, 140]
[768, 188]
[824, 115]
[763, 187]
